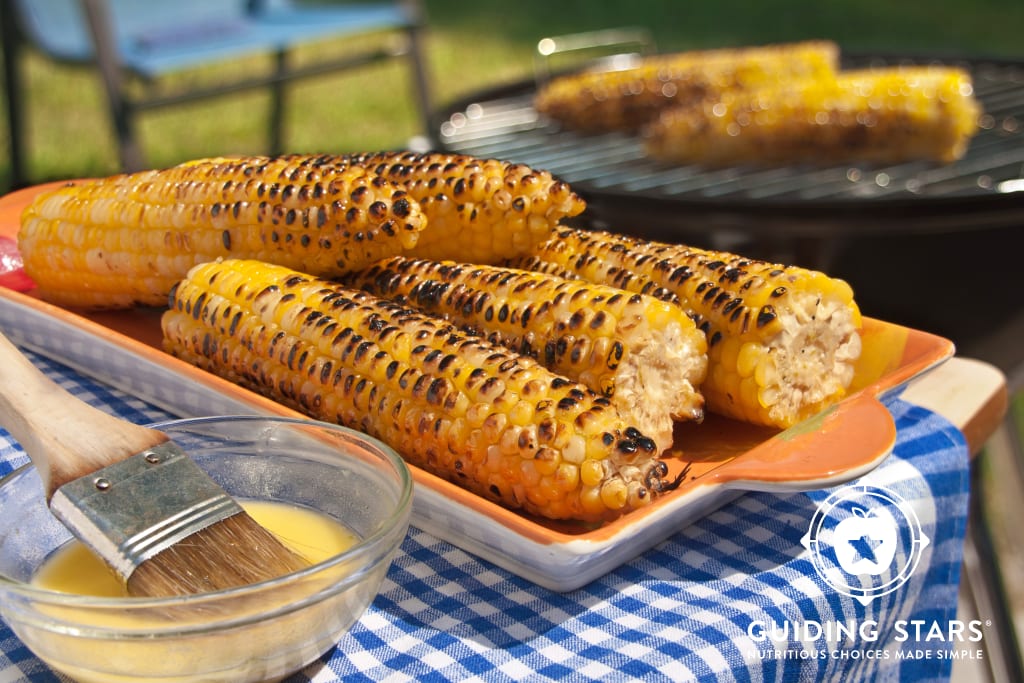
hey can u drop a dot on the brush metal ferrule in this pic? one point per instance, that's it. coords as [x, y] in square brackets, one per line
[131, 510]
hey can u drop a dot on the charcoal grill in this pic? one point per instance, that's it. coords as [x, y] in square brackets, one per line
[629, 192]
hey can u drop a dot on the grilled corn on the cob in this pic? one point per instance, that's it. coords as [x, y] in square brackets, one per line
[127, 239]
[478, 210]
[496, 422]
[626, 99]
[878, 115]
[782, 341]
[645, 354]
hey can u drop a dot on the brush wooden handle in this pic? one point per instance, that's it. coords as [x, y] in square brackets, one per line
[65, 437]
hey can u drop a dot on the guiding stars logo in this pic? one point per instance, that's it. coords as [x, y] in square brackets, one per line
[865, 541]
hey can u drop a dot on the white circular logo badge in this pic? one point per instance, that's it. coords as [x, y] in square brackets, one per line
[865, 541]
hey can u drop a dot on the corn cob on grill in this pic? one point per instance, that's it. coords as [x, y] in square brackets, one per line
[645, 354]
[127, 239]
[884, 116]
[478, 210]
[597, 101]
[782, 341]
[472, 412]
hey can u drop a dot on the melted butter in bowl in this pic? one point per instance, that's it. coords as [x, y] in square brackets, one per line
[315, 536]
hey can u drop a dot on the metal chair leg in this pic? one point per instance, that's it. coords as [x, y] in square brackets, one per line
[11, 45]
[275, 139]
[985, 570]
[122, 113]
[421, 84]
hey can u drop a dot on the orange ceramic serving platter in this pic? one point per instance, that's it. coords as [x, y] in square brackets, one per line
[726, 457]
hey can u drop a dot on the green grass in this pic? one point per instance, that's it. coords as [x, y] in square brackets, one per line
[472, 46]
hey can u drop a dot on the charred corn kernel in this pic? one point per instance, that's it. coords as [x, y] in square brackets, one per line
[782, 340]
[127, 239]
[626, 99]
[478, 210]
[645, 354]
[882, 115]
[441, 398]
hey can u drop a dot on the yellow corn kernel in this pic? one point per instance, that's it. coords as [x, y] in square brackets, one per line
[614, 494]
[567, 477]
[591, 473]
[416, 383]
[747, 359]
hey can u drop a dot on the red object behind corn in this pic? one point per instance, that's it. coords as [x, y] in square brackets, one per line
[12, 270]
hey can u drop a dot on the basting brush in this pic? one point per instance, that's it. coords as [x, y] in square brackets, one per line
[131, 495]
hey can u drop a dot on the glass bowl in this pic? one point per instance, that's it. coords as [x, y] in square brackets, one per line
[260, 632]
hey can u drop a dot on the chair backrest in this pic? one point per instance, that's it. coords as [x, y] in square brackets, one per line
[58, 27]
[154, 38]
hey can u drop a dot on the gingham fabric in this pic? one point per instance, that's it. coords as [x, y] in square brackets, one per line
[692, 608]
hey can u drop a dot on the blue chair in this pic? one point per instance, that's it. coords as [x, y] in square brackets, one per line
[146, 40]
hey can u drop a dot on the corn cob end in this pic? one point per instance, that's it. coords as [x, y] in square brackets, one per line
[804, 361]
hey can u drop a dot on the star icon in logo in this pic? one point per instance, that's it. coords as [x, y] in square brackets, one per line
[865, 546]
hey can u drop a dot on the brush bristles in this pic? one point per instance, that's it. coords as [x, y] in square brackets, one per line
[233, 552]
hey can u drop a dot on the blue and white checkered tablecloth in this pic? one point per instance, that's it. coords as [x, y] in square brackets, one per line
[697, 606]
